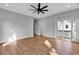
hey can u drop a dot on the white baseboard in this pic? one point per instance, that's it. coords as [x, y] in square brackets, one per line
[22, 37]
[18, 38]
[49, 36]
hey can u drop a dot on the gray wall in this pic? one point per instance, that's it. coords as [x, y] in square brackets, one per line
[50, 24]
[22, 26]
[40, 27]
[13, 24]
[77, 28]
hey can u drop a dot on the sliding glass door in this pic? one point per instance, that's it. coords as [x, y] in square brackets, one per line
[65, 29]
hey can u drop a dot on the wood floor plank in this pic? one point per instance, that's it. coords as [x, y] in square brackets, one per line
[38, 46]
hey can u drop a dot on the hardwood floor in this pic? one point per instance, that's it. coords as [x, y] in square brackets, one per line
[39, 45]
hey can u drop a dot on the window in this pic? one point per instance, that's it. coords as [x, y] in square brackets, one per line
[64, 25]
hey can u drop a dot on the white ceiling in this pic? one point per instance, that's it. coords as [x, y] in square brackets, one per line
[53, 8]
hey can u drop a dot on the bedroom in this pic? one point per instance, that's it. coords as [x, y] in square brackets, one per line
[25, 30]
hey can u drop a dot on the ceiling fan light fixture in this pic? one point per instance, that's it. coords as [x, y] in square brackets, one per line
[39, 9]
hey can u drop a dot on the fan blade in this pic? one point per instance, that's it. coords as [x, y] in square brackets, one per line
[44, 7]
[44, 10]
[34, 11]
[33, 6]
[38, 12]
[31, 9]
[38, 5]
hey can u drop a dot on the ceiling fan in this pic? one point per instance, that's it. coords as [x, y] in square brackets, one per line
[39, 9]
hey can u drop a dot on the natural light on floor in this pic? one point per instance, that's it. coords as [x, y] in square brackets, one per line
[12, 40]
[52, 51]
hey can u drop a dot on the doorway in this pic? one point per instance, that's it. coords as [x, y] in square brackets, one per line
[35, 27]
[38, 27]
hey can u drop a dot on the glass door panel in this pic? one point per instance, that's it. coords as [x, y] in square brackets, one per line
[64, 28]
